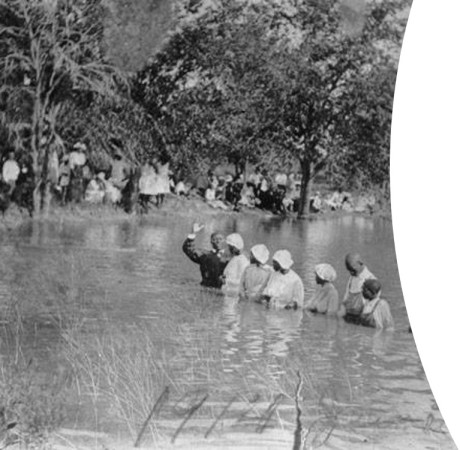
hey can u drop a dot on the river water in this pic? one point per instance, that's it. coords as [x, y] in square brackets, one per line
[133, 275]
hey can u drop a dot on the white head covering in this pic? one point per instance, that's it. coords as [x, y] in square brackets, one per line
[326, 272]
[261, 253]
[235, 240]
[283, 258]
[80, 146]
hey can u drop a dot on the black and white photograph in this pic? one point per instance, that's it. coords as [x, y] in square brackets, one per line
[196, 235]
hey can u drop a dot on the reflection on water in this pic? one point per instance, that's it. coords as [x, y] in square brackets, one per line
[136, 273]
[251, 332]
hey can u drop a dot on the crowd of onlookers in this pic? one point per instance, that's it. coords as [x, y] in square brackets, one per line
[73, 179]
[278, 192]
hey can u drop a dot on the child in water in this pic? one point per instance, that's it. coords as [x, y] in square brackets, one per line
[326, 298]
[376, 312]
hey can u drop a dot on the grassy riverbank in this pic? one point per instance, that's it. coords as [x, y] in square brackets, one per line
[194, 208]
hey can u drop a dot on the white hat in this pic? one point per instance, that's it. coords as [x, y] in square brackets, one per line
[80, 145]
[283, 258]
[326, 272]
[261, 253]
[235, 240]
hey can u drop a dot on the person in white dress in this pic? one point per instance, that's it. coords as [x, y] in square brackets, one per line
[284, 289]
[147, 185]
[10, 171]
[236, 266]
[256, 275]
[163, 182]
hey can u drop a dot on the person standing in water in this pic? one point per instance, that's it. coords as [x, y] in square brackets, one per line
[376, 312]
[212, 262]
[353, 302]
[256, 275]
[236, 266]
[284, 289]
[326, 298]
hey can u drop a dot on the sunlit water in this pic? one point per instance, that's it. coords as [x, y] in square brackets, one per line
[136, 273]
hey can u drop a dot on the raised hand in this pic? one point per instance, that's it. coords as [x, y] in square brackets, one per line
[196, 228]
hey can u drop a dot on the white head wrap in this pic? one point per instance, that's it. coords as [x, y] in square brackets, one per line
[235, 240]
[283, 258]
[261, 253]
[326, 272]
[80, 146]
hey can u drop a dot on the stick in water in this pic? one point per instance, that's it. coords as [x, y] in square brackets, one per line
[156, 406]
[220, 416]
[192, 411]
[271, 409]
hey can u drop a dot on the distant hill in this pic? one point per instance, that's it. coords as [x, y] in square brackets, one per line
[135, 29]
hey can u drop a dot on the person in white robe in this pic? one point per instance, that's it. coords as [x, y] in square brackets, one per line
[236, 266]
[256, 275]
[285, 288]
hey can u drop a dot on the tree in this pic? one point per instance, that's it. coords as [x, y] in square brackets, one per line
[325, 76]
[207, 89]
[50, 56]
[238, 77]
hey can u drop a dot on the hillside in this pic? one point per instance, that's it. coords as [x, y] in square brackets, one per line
[135, 29]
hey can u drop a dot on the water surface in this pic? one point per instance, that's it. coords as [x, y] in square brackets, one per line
[135, 274]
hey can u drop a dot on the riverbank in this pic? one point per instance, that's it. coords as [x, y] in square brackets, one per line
[193, 208]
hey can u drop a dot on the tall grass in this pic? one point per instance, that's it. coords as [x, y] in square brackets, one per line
[37, 302]
[127, 370]
[120, 371]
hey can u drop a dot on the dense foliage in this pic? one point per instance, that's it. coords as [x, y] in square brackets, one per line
[291, 84]
[50, 56]
[280, 82]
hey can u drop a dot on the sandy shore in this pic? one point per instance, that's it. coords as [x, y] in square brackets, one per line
[365, 439]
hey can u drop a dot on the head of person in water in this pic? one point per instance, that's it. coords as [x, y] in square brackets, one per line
[371, 289]
[325, 273]
[282, 261]
[354, 264]
[259, 255]
[218, 241]
[235, 243]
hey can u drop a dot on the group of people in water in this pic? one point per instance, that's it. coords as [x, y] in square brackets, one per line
[250, 278]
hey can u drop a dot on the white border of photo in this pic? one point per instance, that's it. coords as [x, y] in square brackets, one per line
[425, 184]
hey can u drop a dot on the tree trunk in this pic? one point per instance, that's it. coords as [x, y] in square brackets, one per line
[37, 195]
[305, 188]
[46, 199]
[37, 200]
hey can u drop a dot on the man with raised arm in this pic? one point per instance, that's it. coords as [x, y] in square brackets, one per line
[212, 262]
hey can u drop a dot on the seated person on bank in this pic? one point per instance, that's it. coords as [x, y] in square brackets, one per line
[376, 312]
[326, 298]
[212, 262]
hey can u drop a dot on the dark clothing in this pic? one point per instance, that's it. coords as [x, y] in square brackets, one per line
[212, 264]
[355, 319]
